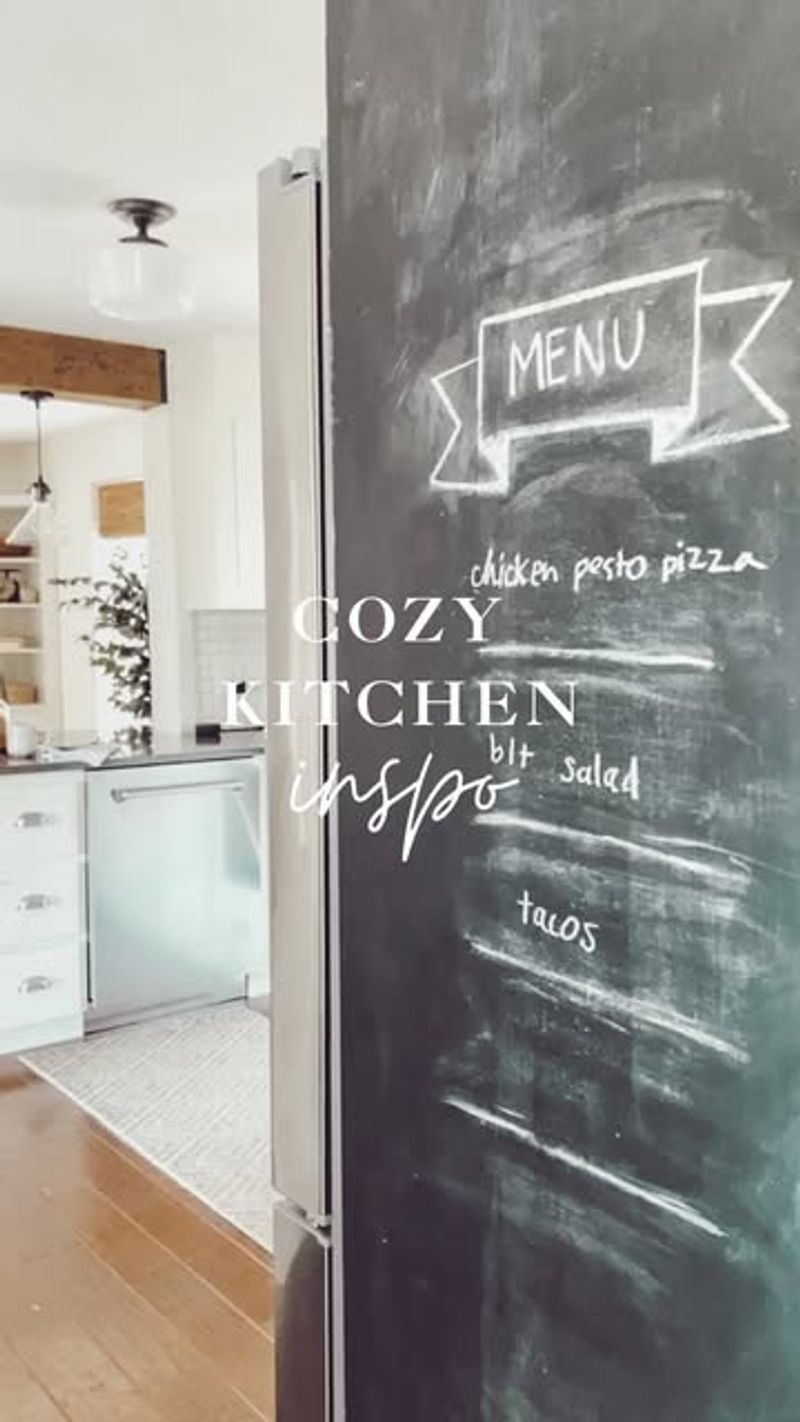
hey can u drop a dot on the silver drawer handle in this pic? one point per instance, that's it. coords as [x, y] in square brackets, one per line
[34, 903]
[32, 819]
[192, 787]
[36, 984]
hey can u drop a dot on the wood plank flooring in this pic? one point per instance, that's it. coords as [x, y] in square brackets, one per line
[120, 1295]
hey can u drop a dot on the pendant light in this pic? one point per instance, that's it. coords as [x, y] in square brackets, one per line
[37, 516]
[140, 278]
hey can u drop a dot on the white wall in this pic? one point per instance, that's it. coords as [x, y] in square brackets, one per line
[214, 424]
[17, 467]
[129, 445]
[170, 651]
[76, 462]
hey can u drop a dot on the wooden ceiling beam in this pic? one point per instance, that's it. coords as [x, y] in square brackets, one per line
[77, 368]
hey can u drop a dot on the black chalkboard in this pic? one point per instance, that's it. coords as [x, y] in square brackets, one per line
[564, 237]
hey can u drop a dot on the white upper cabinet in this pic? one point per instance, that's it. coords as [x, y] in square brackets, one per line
[215, 437]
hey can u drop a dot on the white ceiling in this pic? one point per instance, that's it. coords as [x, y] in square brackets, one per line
[182, 100]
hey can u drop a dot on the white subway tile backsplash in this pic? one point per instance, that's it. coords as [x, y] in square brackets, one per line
[228, 646]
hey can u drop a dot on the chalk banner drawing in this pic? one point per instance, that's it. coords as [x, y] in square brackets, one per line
[625, 354]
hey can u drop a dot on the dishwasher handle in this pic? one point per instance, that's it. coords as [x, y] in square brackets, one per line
[190, 787]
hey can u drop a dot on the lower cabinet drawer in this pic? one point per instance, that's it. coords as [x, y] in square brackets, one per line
[40, 817]
[40, 987]
[39, 904]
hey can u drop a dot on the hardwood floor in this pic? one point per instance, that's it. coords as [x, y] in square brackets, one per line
[120, 1295]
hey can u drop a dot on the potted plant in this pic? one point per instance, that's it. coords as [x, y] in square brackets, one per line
[119, 643]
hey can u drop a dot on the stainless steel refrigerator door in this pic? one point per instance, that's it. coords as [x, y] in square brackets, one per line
[290, 353]
[175, 891]
[302, 1337]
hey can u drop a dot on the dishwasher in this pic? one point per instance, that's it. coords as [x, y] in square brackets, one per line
[175, 887]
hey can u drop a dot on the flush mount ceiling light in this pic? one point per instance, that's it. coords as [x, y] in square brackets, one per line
[37, 516]
[140, 278]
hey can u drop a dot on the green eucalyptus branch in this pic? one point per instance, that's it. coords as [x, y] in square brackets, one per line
[119, 643]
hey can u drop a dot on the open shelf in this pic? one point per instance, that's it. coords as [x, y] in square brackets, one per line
[36, 662]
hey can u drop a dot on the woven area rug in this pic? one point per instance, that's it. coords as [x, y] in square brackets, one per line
[190, 1093]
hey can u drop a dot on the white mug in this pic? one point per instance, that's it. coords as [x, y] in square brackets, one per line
[21, 738]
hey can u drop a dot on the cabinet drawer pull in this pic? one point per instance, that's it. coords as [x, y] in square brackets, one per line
[37, 983]
[34, 903]
[32, 819]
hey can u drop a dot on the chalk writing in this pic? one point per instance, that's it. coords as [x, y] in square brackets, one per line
[567, 928]
[564, 354]
[620, 567]
[512, 571]
[510, 750]
[600, 775]
[688, 558]
[659, 1199]
[626, 354]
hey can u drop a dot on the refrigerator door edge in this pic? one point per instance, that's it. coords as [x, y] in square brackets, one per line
[290, 359]
[303, 1327]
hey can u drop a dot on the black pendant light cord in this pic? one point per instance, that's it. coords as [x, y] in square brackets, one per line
[40, 490]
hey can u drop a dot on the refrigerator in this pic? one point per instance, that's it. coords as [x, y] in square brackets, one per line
[536, 1074]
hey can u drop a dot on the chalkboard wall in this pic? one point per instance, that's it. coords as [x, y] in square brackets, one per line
[564, 237]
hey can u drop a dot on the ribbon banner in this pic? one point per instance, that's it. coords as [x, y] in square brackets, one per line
[652, 351]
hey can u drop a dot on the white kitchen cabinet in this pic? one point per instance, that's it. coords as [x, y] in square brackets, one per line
[38, 995]
[40, 903]
[42, 908]
[38, 820]
[215, 435]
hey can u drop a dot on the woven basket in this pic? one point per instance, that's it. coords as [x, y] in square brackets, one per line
[21, 693]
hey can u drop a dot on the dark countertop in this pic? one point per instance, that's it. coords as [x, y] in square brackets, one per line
[162, 750]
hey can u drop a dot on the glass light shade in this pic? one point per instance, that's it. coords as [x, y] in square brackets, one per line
[142, 281]
[36, 525]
